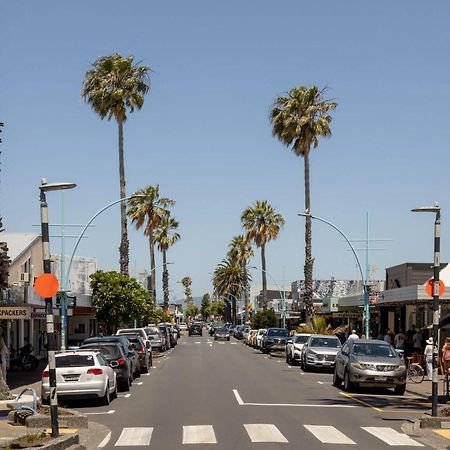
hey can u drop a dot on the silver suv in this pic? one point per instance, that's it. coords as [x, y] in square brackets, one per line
[319, 352]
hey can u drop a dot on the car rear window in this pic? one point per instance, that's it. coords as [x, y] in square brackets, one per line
[132, 332]
[278, 332]
[109, 351]
[300, 339]
[325, 342]
[75, 361]
[384, 351]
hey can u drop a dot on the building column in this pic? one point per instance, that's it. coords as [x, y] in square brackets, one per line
[21, 333]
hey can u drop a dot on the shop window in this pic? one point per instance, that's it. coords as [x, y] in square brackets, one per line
[80, 329]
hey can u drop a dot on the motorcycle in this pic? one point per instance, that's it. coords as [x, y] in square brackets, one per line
[25, 359]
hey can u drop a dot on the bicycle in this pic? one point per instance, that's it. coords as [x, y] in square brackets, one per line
[415, 372]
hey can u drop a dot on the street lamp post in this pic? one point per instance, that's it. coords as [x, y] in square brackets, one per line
[364, 281]
[50, 329]
[436, 209]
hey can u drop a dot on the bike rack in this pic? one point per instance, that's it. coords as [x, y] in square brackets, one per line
[18, 407]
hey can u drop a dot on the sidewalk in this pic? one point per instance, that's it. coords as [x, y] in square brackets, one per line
[424, 389]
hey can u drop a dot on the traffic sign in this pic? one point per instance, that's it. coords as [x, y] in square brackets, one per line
[429, 287]
[46, 285]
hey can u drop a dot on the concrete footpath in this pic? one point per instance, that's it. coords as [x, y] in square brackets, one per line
[424, 389]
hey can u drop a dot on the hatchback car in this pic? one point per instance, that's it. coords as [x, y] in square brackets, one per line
[81, 375]
[319, 352]
[139, 331]
[222, 334]
[294, 347]
[369, 363]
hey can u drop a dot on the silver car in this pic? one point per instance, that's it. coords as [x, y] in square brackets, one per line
[156, 338]
[294, 347]
[370, 363]
[319, 352]
[81, 375]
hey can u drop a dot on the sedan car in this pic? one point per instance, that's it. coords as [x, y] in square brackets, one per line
[182, 326]
[222, 334]
[274, 340]
[319, 352]
[294, 347]
[157, 338]
[81, 375]
[369, 363]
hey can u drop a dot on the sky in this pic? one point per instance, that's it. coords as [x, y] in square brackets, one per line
[204, 135]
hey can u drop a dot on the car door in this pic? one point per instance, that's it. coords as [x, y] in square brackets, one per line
[105, 366]
[342, 360]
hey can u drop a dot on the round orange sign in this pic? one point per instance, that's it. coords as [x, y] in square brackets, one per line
[429, 287]
[46, 285]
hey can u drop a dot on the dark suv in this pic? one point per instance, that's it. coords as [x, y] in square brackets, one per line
[275, 340]
[196, 329]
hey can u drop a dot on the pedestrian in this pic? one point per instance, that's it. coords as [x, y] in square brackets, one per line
[418, 341]
[4, 353]
[400, 340]
[387, 337]
[353, 335]
[446, 354]
[428, 352]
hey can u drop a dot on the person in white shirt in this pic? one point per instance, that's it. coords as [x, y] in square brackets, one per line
[353, 335]
[428, 352]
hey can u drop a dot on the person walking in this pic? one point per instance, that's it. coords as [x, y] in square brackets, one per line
[387, 337]
[428, 352]
[353, 335]
[418, 341]
[446, 354]
[400, 340]
[4, 353]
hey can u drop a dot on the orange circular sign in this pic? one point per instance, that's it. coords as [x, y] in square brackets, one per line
[429, 287]
[46, 285]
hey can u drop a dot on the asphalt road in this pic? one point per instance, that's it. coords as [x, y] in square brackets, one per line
[224, 395]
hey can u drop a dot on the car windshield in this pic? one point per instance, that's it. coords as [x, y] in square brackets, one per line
[300, 339]
[381, 350]
[75, 361]
[221, 330]
[325, 342]
[152, 330]
[108, 351]
[278, 332]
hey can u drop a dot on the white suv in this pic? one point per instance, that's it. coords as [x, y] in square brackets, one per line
[294, 347]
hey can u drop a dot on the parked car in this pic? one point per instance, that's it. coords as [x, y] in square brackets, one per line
[369, 363]
[126, 344]
[319, 352]
[145, 355]
[167, 329]
[274, 340]
[222, 334]
[294, 347]
[157, 338]
[81, 375]
[238, 331]
[183, 326]
[114, 352]
[259, 337]
[214, 326]
[245, 333]
[195, 329]
[140, 332]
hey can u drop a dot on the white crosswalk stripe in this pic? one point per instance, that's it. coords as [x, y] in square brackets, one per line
[199, 434]
[264, 432]
[328, 434]
[391, 436]
[135, 436]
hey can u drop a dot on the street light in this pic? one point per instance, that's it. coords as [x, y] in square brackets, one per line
[436, 209]
[364, 281]
[47, 187]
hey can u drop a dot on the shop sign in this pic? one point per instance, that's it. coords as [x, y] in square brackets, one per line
[38, 314]
[14, 312]
[347, 315]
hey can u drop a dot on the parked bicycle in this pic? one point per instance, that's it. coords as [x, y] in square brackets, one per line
[415, 372]
[24, 359]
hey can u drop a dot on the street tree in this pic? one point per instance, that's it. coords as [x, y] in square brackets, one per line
[118, 299]
[298, 120]
[147, 211]
[186, 282]
[264, 319]
[216, 309]
[262, 224]
[113, 86]
[165, 237]
[206, 303]
[192, 311]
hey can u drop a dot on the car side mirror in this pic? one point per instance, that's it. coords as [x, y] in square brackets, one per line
[113, 364]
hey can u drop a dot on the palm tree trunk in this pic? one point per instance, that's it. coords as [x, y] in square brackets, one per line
[233, 304]
[264, 277]
[124, 248]
[308, 268]
[152, 265]
[246, 297]
[165, 280]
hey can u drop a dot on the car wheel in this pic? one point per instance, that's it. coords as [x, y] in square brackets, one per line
[125, 385]
[114, 394]
[348, 385]
[106, 399]
[305, 367]
[137, 374]
[336, 380]
[400, 389]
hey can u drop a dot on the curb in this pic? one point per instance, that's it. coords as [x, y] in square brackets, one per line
[419, 394]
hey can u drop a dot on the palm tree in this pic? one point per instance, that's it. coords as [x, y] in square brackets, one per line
[148, 209]
[186, 282]
[113, 86]
[230, 280]
[165, 236]
[263, 224]
[241, 250]
[298, 120]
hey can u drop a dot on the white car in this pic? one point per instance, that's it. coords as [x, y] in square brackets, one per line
[259, 337]
[141, 332]
[294, 347]
[183, 326]
[82, 375]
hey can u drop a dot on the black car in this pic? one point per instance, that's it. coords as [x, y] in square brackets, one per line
[214, 326]
[195, 329]
[114, 353]
[275, 340]
[222, 334]
[145, 355]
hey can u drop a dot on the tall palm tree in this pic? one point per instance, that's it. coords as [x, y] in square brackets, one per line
[113, 86]
[263, 224]
[166, 236]
[229, 280]
[298, 120]
[147, 210]
[241, 250]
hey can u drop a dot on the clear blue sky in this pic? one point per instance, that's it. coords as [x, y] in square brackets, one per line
[204, 135]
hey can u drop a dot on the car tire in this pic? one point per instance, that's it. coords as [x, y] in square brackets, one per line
[114, 394]
[348, 385]
[336, 380]
[125, 385]
[305, 367]
[106, 399]
[400, 389]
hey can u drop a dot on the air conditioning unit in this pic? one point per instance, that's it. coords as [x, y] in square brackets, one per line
[25, 277]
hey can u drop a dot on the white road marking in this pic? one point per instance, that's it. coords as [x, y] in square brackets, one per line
[145, 375]
[290, 367]
[135, 436]
[264, 432]
[124, 395]
[221, 343]
[111, 411]
[199, 434]
[391, 436]
[233, 343]
[328, 434]
[320, 382]
[238, 397]
[197, 342]
[105, 441]
[139, 383]
[210, 345]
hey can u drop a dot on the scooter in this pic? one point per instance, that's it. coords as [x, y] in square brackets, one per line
[25, 360]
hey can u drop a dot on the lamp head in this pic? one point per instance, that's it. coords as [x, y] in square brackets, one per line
[46, 187]
[433, 209]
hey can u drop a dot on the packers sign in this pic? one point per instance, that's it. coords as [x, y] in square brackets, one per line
[14, 312]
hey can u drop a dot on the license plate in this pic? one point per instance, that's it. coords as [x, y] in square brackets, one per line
[381, 378]
[75, 378]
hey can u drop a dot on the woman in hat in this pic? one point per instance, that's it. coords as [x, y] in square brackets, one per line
[428, 352]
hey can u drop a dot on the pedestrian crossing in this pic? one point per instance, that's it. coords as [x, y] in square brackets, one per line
[267, 433]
